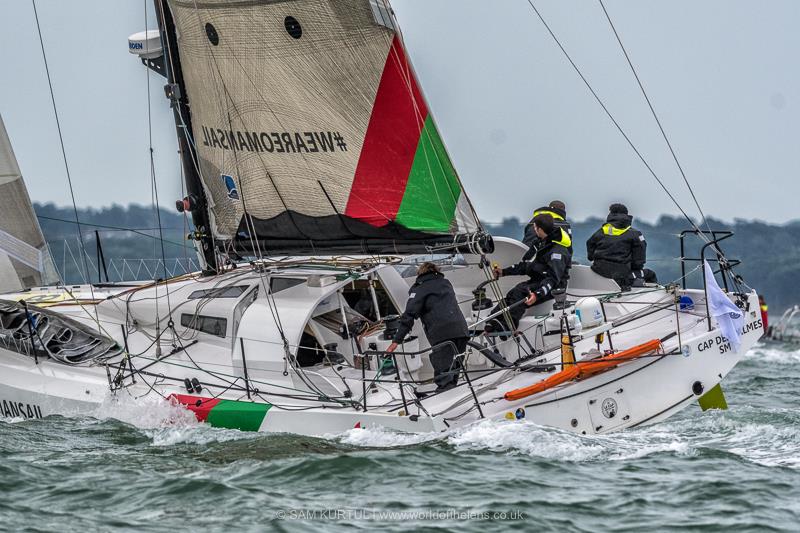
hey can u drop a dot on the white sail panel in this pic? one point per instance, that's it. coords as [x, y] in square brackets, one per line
[24, 257]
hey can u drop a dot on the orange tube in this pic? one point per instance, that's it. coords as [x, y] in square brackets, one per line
[584, 370]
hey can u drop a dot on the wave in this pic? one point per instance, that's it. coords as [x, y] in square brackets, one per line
[770, 438]
[379, 437]
[164, 422]
[773, 353]
[148, 412]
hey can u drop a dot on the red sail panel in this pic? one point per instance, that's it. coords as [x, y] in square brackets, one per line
[390, 145]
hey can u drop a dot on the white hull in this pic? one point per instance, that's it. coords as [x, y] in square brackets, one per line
[643, 391]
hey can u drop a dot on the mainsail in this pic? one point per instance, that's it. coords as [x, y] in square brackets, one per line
[308, 118]
[24, 257]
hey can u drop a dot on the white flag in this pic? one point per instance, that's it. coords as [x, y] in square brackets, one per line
[729, 317]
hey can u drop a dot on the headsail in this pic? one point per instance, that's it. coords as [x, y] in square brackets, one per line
[307, 116]
[24, 257]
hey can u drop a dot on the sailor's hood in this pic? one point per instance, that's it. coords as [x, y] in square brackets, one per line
[619, 220]
[560, 212]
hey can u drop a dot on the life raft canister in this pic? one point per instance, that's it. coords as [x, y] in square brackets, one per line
[582, 370]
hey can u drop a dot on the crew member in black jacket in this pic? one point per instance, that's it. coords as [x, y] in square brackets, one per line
[433, 300]
[547, 270]
[556, 209]
[619, 251]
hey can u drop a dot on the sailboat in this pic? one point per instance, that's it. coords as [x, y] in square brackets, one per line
[317, 181]
[25, 259]
[786, 328]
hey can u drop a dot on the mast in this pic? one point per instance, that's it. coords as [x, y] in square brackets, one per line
[196, 202]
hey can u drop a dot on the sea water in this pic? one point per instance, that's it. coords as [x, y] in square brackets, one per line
[152, 467]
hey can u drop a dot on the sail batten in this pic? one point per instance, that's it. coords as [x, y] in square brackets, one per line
[308, 116]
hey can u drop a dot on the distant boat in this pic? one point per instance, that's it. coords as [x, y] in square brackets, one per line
[25, 259]
[317, 179]
[787, 327]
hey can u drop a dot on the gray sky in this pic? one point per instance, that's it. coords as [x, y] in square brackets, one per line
[519, 123]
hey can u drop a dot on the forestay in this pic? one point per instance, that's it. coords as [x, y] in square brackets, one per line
[307, 116]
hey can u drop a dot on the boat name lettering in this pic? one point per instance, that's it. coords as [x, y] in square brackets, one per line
[281, 142]
[723, 343]
[752, 326]
[12, 409]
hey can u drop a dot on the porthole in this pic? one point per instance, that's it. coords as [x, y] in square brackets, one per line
[293, 27]
[213, 36]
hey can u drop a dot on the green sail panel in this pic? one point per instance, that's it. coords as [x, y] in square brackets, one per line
[433, 189]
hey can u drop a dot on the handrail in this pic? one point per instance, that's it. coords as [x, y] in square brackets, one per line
[725, 264]
[456, 354]
[717, 236]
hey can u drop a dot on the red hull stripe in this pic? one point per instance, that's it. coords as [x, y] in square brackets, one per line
[201, 407]
[231, 414]
[390, 144]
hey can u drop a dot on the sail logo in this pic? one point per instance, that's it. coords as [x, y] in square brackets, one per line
[285, 142]
[230, 185]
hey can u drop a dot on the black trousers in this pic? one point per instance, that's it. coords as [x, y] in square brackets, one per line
[621, 273]
[445, 368]
[517, 293]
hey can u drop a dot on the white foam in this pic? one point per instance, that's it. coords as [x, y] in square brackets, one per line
[12, 420]
[548, 443]
[766, 444]
[523, 437]
[379, 437]
[526, 438]
[769, 354]
[201, 435]
[165, 422]
[149, 412]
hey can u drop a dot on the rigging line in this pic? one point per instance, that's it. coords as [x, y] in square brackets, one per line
[407, 75]
[138, 231]
[408, 78]
[272, 304]
[185, 216]
[305, 159]
[153, 172]
[611, 117]
[63, 150]
[655, 116]
[274, 114]
[227, 94]
[193, 152]
[254, 242]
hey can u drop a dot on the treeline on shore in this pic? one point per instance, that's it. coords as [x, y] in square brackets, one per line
[131, 244]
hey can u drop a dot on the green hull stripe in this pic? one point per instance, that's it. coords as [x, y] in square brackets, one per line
[713, 399]
[432, 192]
[246, 416]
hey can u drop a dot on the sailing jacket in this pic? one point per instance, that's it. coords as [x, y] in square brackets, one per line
[616, 249]
[432, 299]
[550, 265]
[533, 241]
